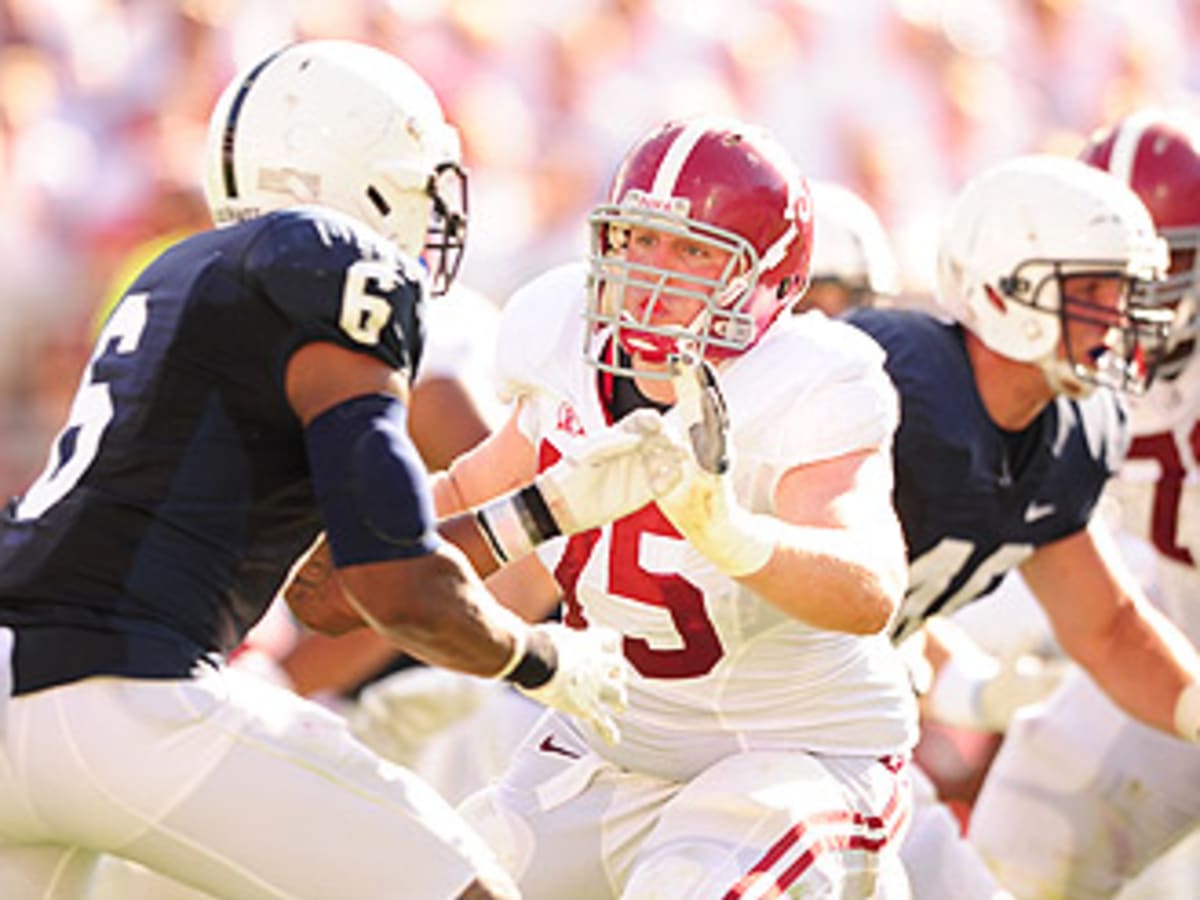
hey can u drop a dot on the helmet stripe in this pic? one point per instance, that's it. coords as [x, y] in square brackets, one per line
[673, 160]
[1126, 143]
[235, 110]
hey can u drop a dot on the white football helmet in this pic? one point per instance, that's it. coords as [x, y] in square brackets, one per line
[346, 126]
[1016, 232]
[850, 248]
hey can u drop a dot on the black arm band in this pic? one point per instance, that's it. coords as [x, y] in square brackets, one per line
[538, 664]
[539, 522]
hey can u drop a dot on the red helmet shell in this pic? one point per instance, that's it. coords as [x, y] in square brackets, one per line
[1158, 155]
[724, 177]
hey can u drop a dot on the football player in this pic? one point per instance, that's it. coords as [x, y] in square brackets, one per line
[853, 263]
[1096, 793]
[248, 392]
[1005, 445]
[764, 748]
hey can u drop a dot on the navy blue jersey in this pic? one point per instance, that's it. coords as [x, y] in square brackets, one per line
[178, 493]
[973, 499]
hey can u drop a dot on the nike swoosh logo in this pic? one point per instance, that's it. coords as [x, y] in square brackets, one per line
[1035, 511]
[548, 746]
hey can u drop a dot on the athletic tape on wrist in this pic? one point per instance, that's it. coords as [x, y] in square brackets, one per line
[520, 639]
[734, 540]
[537, 664]
[516, 523]
[1187, 713]
[747, 545]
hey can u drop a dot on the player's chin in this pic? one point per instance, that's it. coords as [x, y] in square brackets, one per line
[1075, 388]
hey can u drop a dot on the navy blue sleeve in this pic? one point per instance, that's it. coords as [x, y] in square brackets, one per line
[337, 281]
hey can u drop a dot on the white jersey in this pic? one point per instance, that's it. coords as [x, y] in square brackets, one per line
[460, 337]
[717, 669]
[1158, 493]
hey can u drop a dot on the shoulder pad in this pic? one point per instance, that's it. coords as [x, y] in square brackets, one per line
[338, 280]
[541, 331]
[812, 389]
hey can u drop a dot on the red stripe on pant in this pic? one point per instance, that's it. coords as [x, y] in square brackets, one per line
[862, 833]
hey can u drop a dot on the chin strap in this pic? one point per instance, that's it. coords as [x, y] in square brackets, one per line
[1063, 379]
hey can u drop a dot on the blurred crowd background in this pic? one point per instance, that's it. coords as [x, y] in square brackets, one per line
[104, 106]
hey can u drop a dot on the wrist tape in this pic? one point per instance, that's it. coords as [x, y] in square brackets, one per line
[746, 545]
[516, 523]
[533, 662]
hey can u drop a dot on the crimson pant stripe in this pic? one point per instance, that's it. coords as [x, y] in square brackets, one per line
[861, 832]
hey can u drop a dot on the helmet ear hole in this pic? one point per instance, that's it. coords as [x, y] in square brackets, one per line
[377, 201]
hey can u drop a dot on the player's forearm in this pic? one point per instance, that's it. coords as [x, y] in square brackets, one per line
[464, 532]
[436, 610]
[1141, 661]
[830, 578]
[314, 595]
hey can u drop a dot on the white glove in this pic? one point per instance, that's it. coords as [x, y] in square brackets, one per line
[590, 677]
[701, 505]
[977, 691]
[611, 475]
[607, 476]
[399, 714]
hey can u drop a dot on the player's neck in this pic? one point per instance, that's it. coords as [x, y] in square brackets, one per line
[1013, 393]
[659, 390]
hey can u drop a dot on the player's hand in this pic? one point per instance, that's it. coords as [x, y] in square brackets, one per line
[397, 716]
[612, 473]
[701, 505]
[978, 691]
[590, 679]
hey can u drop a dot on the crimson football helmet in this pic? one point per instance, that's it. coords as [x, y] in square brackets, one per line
[1157, 153]
[721, 186]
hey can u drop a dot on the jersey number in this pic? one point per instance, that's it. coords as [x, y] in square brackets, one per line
[365, 308]
[934, 570]
[1168, 489]
[699, 646]
[76, 445]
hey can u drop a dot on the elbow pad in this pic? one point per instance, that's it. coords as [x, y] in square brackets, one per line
[370, 485]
